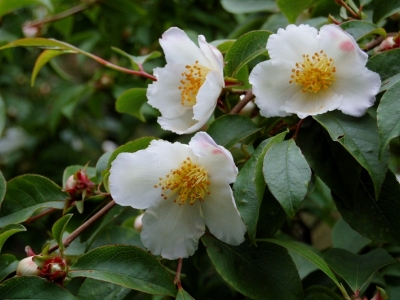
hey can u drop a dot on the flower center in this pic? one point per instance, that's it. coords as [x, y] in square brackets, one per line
[314, 73]
[188, 182]
[192, 79]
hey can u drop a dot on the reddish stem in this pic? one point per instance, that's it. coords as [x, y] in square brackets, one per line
[247, 98]
[298, 128]
[177, 279]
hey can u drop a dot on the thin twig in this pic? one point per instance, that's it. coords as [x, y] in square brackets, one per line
[376, 42]
[298, 128]
[247, 98]
[42, 214]
[177, 279]
[68, 240]
[348, 8]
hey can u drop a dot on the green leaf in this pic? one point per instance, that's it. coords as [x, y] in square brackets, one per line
[3, 115]
[183, 295]
[343, 236]
[223, 45]
[59, 228]
[249, 186]
[133, 146]
[359, 136]
[388, 117]
[127, 266]
[263, 272]
[137, 61]
[3, 187]
[308, 253]
[8, 6]
[112, 234]
[33, 287]
[287, 175]
[8, 265]
[320, 292]
[26, 194]
[8, 231]
[229, 130]
[385, 63]
[389, 82]
[131, 102]
[378, 220]
[248, 6]
[383, 10]
[125, 6]
[291, 9]
[246, 48]
[360, 29]
[102, 164]
[357, 269]
[43, 59]
[92, 289]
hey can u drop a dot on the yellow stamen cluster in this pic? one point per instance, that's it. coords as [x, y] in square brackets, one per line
[314, 73]
[192, 79]
[188, 182]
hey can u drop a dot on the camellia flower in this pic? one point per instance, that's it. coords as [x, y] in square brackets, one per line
[188, 87]
[310, 73]
[183, 188]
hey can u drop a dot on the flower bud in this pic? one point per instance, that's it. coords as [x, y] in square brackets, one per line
[79, 184]
[27, 267]
[138, 224]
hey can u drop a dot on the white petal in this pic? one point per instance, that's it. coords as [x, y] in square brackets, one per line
[221, 216]
[342, 47]
[310, 104]
[178, 48]
[171, 230]
[358, 91]
[213, 54]
[272, 88]
[215, 159]
[207, 96]
[182, 124]
[289, 44]
[164, 94]
[132, 179]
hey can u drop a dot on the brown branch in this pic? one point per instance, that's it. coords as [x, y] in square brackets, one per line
[247, 98]
[177, 279]
[298, 128]
[42, 214]
[68, 240]
[348, 8]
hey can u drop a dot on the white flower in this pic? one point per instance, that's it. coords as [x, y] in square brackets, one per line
[310, 73]
[188, 87]
[183, 188]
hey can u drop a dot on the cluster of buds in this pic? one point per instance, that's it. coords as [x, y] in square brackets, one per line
[52, 268]
[79, 185]
[389, 43]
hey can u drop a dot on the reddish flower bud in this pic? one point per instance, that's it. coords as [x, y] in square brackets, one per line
[78, 184]
[27, 267]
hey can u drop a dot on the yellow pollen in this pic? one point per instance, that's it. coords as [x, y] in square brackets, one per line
[314, 73]
[192, 79]
[188, 182]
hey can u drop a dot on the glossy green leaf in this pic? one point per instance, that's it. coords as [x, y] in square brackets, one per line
[359, 136]
[357, 269]
[229, 130]
[329, 160]
[7, 6]
[343, 236]
[388, 117]
[383, 10]
[102, 164]
[71, 170]
[385, 64]
[33, 287]
[58, 230]
[8, 265]
[8, 231]
[389, 82]
[26, 194]
[291, 9]
[249, 186]
[248, 6]
[246, 48]
[378, 220]
[43, 59]
[137, 61]
[183, 295]
[3, 187]
[93, 289]
[287, 175]
[42, 43]
[112, 235]
[263, 272]
[359, 29]
[320, 292]
[133, 146]
[131, 102]
[127, 266]
[3, 115]
[223, 45]
[308, 253]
